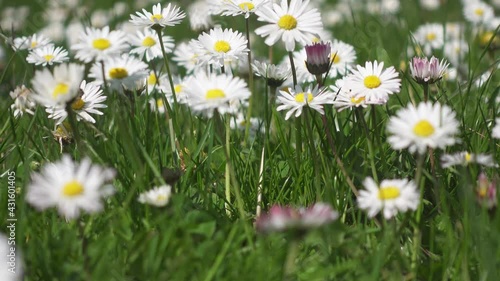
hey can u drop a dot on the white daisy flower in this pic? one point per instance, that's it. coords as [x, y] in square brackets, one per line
[239, 7]
[124, 72]
[299, 60]
[59, 87]
[465, 158]
[31, 42]
[209, 92]
[430, 37]
[345, 98]
[456, 50]
[168, 16]
[290, 23]
[428, 125]
[294, 100]
[179, 88]
[274, 74]
[496, 130]
[200, 17]
[89, 101]
[390, 197]
[454, 30]
[343, 58]
[221, 47]
[185, 55]
[426, 71]
[99, 44]
[153, 82]
[158, 196]
[23, 101]
[374, 82]
[47, 55]
[430, 4]
[146, 43]
[70, 186]
[158, 105]
[478, 12]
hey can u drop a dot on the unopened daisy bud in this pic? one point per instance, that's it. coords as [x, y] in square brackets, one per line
[426, 71]
[318, 58]
[486, 192]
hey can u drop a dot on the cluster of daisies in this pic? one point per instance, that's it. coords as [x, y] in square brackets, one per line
[133, 59]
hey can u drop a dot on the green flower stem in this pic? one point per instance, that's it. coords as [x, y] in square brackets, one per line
[416, 231]
[228, 171]
[72, 123]
[291, 255]
[165, 101]
[260, 187]
[250, 82]
[359, 113]
[314, 158]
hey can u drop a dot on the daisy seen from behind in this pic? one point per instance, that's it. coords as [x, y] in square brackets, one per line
[290, 23]
[23, 101]
[423, 126]
[58, 87]
[373, 82]
[158, 196]
[390, 197]
[159, 18]
[206, 93]
[220, 47]
[70, 186]
[146, 44]
[294, 100]
[90, 100]
[124, 72]
[47, 55]
[99, 44]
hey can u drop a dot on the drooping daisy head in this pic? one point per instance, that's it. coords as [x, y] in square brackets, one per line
[23, 101]
[290, 23]
[89, 101]
[238, 7]
[58, 87]
[427, 125]
[70, 186]
[274, 74]
[206, 93]
[390, 197]
[220, 47]
[146, 44]
[159, 18]
[124, 72]
[99, 44]
[373, 82]
[158, 196]
[47, 55]
[294, 100]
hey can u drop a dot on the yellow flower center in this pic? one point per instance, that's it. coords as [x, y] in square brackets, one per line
[485, 38]
[388, 192]
[101, 44]
[482, 191]
[301, 97]
[423, 129]
[156, 17]
[34, 44]
[152, 79]
[177, 88]
[479, 12]
[222, 46]
[335, 58]
[287, 22]
[431, 36]
[159, 103]
[118, 73]
[48, 57]
[161, 198]
[60, 89]
[468, 157]
[372, 82]
[215, 94]
[357, 100]
[148, 42]
[72, 188]
[78, 104]
[246, 6]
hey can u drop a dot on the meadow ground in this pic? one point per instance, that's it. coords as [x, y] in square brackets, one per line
[341, 154]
